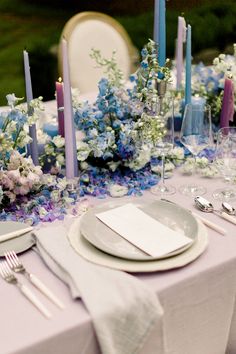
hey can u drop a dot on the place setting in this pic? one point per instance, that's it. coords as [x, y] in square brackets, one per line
[140, 236]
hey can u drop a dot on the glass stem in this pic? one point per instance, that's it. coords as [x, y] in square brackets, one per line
[195, 164]
[163, 169]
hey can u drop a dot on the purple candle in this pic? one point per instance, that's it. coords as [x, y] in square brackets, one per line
[33, 146]
[60, 106]
[179, 51]
[227, 110]
[70, 140]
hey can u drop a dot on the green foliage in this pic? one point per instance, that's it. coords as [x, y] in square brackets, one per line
[109, 66]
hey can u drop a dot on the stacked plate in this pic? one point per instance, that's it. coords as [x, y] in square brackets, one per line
[96, 242]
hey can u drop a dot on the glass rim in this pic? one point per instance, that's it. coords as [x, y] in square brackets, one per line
[196, 106]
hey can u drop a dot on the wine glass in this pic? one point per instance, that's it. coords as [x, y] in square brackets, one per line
[196, 135]
[225, 161]
[164, 145]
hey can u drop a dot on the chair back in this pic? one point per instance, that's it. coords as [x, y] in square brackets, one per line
[88, 30]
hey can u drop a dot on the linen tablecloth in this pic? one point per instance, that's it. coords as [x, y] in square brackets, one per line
[198, 302]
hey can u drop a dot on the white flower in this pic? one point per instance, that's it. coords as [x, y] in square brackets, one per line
[222, 56]
[12, 100]
[42, 211]
[176, 153]
[55, 196]
[169, 167]
[84, 165]
[11, 127]
[62, 183]
[209, 171]
[42, 137]
[48, 180]
[116, 190]
[83, 151]
[59, 141]
[143, 157]
[49, 149]
[23, 139]
[113, 165]
[202, 162]
[60, 159]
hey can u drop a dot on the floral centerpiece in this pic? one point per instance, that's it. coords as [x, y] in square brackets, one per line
[115, 146]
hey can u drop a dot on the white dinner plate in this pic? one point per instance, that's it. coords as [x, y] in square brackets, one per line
[18, 244]
[107, 240]
[94, 255]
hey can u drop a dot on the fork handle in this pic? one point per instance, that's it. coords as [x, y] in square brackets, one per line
[44, 289]
[35, 301]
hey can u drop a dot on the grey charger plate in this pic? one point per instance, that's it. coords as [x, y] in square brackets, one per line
[106, 240]
[18, 244]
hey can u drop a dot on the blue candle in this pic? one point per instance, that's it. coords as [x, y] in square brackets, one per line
[188, 67]
[162, 33]
[156, 22]
[33, 147]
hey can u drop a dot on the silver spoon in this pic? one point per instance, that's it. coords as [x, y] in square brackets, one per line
[229, 209]
[206, 206]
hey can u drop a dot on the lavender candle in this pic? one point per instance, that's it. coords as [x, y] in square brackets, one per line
[179, 51]
[188, 89]
[33, 146]
[70, 140]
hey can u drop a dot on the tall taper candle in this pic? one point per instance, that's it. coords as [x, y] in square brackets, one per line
[156, 22]
[60, 106]
[33, 147]
[227, 110]
[188, 90]
[70, 140]
[162, 33]
[181, 38]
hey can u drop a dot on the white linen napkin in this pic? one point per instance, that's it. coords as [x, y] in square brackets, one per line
[123, 309]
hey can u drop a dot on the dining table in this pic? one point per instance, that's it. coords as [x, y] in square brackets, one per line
[198, 299]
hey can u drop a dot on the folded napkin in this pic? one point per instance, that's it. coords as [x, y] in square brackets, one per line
[123, 309]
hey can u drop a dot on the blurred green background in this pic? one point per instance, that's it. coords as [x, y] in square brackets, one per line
[37, 25]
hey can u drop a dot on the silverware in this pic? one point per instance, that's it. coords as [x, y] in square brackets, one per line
[205, 221]
[207, 207]
[7, 275]
[16, 233]
[229, 209]
[16, 265]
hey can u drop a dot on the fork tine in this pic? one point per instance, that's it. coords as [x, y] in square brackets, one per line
[15, 257]
[2, 270]
[5, 270]
[10, 259]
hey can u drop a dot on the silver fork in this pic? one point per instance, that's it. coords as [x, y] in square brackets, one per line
[7, 275]
[18, 267]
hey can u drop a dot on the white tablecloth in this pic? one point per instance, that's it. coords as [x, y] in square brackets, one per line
[198, 302]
